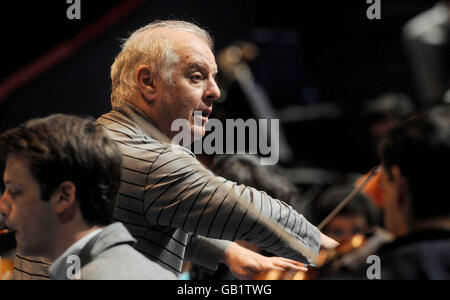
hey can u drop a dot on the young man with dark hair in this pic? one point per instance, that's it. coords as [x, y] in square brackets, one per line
[416, 162]
[61, 176]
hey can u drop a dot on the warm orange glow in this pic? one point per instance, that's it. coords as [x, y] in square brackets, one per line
[273, 275]
[321, 258]
[299, 276]
[357, 241]
[6, 268]
[373, 189]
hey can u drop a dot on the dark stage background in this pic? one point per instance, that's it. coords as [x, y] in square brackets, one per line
[322, 59]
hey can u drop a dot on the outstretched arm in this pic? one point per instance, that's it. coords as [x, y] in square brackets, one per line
[242, 262]
[246, 264]
[183, 194]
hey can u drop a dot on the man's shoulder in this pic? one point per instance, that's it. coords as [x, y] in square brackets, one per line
[124, 262]
[141, 150]
[119, 125]
[130, 138]
[422, 255]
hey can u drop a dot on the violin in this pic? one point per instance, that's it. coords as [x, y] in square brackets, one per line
[7, 243]
[348, 256]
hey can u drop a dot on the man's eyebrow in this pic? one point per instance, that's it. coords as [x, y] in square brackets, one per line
[201, 66]
[197, 65]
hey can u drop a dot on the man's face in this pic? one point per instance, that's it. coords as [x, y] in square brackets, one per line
[343, 227]
[194, 87]
[23, 209]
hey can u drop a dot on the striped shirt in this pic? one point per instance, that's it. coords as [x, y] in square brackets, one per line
[165, 194]
[31, 268]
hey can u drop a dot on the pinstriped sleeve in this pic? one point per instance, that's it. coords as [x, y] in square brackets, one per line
[206, 252]
[181, 193]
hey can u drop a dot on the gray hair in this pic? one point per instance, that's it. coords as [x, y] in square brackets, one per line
[152, 49]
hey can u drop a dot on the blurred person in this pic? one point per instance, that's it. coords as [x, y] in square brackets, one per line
[61, 177]
[357, 217]
[380, 116]
[384, 113]
[415, 164]
[427, 43]
[246, 170]
[164, 72]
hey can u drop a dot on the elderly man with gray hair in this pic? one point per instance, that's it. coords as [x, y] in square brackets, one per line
[166, 71]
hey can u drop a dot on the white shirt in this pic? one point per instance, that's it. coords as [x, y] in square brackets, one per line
[65, 266]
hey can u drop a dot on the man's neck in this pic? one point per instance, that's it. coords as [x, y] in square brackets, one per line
[146, 111]
[69, 236]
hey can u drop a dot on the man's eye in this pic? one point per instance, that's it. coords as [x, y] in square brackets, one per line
[196, 77]
[13, 192]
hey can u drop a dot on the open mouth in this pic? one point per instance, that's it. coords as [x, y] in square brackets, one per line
[5, 228]
[200, 117]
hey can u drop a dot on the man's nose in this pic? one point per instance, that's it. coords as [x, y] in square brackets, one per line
[4, 208]
[213, 91]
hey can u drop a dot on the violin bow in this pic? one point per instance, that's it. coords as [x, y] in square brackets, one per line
[355, 192]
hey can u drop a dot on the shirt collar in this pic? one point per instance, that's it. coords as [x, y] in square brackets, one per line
[149, 128]
[58, 270]
[416, 238]
[141, 120]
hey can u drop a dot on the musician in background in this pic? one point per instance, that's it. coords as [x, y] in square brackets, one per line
[415, 166]
[357, 217]
[378, 116]
[427, 42]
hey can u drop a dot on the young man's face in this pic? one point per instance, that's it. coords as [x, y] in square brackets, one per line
[194, 87]
[24, 210]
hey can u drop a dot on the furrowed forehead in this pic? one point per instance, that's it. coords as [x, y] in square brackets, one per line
[197, 55]
[202, 66]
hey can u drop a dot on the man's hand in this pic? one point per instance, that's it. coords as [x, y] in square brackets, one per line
[245, 264]
[327, 242]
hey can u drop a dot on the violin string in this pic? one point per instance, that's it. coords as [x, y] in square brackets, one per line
[355, 192]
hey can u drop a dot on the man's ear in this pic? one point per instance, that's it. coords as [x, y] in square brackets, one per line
[145, 80]
[65, 197]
